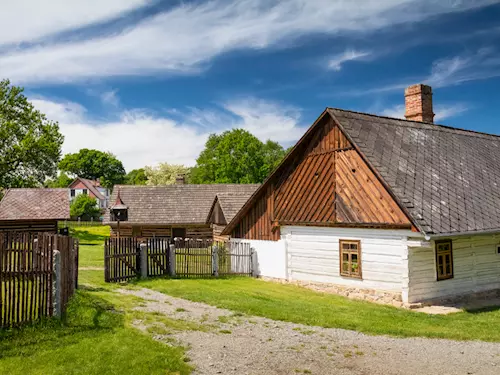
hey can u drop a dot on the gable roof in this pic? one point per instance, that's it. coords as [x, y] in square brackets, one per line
[35, 204]
[172, 204]
[91, 185]
[446, 180]
[231, 202]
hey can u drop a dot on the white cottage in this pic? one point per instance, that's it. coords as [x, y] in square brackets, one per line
[395, 209]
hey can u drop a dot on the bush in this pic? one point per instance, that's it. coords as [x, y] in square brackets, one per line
[85, 207]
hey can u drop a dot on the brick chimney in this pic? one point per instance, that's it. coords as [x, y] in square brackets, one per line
[418, 102]
[180, 179]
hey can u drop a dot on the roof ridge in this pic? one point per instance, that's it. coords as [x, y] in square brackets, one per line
[474, 132]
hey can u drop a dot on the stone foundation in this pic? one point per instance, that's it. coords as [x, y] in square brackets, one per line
[371, 295]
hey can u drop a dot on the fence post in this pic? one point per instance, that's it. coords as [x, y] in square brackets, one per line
[215, 260]
[143, 253]
[171, 259]
[253, 262]
[56, 284]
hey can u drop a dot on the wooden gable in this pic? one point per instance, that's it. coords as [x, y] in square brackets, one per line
[325, 182]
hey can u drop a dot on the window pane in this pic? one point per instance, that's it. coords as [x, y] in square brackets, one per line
[354, 246]
[345, 246]
[345, 257]
[345, 267]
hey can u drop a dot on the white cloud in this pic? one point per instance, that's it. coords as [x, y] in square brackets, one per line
[140, 138]
[441, 111]
[110, 98]
[335, 62]
[183, 39]
[31, 20]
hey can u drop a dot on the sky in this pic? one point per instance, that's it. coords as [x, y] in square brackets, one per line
[149, 80]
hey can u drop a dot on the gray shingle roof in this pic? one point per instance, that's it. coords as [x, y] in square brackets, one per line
[448, 179]
[231, 203]
[35, 204]
[172, 204]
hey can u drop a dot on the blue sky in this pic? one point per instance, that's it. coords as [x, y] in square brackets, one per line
[150, 80]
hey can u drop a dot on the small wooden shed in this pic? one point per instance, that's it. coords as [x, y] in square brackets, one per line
[34, 210]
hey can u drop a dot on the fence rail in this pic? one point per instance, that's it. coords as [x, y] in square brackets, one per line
[128, 257]
[38, 275]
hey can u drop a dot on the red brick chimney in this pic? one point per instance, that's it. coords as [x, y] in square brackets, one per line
[418, 102]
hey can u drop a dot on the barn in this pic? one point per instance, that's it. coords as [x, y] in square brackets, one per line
[178, 210]
[34, 210]
[384, 208]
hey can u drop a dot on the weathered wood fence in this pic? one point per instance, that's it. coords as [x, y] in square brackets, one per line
[128, 257]
[38, 276]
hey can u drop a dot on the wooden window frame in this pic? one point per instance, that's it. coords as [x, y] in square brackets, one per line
[438, 253]
[358, 275]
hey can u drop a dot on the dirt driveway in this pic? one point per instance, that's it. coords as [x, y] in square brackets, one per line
[240, 344]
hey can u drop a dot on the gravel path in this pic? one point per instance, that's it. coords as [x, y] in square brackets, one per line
[240, 344]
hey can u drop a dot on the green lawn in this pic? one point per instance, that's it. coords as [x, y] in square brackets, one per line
[299, 305]
[96, 337]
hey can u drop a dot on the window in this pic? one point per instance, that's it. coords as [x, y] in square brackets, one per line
[444, 260]
[179, 233]
[350, 258]
[84, 191]
[72, 193]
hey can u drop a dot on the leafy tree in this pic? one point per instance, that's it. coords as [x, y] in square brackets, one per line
[94, 164]
[165, 173]
[30, 145]
[84, 207]
[136, 177]
[236, 156]
[62, 181]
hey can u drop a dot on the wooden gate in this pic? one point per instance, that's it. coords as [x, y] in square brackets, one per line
[121, 259]
[157, 252]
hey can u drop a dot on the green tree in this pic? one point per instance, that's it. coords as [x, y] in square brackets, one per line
[84, 207]
[30, 145]
[94, 164]
[136, 177]
[236, 156]
[165, 173]
[61, 181]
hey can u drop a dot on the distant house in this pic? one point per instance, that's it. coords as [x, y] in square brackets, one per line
[92, 188]
[384, 208]
[34, 210]
[179, 210]
[224, 209]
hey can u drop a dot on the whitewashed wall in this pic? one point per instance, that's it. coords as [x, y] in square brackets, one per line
[313, 255]
[476, 268]
[270, 257]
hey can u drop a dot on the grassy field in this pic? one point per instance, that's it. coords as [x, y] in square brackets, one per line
[96, 337]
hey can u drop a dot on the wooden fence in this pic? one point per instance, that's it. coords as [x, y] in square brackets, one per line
[78, 223]
[127, 258]
[35, 280]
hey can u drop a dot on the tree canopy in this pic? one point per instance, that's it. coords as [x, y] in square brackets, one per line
[94, 164]
[136, 177]
[165, 173]
[61, 181]
[84, 207]
[30, 145]
[236, 156]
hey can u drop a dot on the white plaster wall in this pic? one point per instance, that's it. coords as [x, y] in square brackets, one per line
[313, 255]
[476, 268]
[269, 259]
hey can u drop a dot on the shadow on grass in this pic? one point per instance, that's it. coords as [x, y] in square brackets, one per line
[481, 310]
[87, 317]
[88, 238]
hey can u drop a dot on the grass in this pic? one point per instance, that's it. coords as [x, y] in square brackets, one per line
[96, 337]
[299, 305]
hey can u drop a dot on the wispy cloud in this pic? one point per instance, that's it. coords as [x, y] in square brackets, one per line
[441, 111]
[26, 21]
[110, 98]
[336, 62]
[171, 42]
[138, 136]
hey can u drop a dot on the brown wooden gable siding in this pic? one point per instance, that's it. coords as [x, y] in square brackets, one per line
[48, 226]
[202, 231]
[326, 183]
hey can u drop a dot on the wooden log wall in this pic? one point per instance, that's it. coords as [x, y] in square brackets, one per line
[203, 231]
[33, 226]
[325, 183]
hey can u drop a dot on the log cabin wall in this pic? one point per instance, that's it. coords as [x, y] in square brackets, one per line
[48, 226]
[202, 231]
[326, 183]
